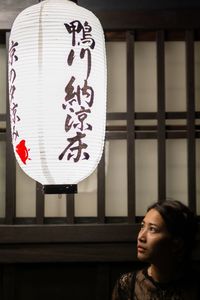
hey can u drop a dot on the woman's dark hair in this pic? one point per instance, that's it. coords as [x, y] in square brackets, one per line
[181, 222]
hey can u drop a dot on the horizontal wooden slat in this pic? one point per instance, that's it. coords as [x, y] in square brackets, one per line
[67, 233]
[73, 252]
[64, 220]
[112, 20]
[118, 128]
[171, 35]
[150, 115]
[90, 252]
[159, 19]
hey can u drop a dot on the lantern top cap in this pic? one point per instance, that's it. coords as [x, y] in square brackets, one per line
[60, 1]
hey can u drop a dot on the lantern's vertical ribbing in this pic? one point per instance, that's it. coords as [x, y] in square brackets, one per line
[40, 108]
[59, 107]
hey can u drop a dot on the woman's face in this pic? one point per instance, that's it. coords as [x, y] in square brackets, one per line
[154, 242]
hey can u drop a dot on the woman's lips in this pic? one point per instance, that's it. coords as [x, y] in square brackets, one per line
[140, 248]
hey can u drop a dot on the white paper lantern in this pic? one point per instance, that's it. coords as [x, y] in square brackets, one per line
[57, 91]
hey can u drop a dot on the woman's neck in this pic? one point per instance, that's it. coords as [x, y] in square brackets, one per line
[164, 274]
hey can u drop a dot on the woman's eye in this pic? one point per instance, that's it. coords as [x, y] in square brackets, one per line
[153, 229]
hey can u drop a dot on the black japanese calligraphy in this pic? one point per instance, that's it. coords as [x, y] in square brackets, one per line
[81, 34]
[20, 148]
[12, 56]
[79, 96]
[75, 145]
[12, 89]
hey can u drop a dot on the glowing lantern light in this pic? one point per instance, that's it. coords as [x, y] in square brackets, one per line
[57, 91]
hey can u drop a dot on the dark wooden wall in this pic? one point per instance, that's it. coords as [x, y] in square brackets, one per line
[80, 259]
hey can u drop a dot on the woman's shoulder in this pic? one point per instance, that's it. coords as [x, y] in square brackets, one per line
[124, 287]
[126, 277]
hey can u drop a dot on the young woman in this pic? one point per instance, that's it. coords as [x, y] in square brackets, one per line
[165, 241]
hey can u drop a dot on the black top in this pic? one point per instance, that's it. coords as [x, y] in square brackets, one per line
[140, 286]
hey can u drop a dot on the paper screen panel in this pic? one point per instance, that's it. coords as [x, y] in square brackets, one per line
[25, 194]
[197, 76]
[146, 174]
[2, 178]
[176, 152]
[145, 77]
[175, 76]
[2, 78]
[55, 206]
[116, 178]
[86, 198]
[116, 64]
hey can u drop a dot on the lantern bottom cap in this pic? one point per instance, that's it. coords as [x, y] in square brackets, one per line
[59, 189]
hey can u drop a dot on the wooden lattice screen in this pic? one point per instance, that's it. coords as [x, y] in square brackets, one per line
[102, 233]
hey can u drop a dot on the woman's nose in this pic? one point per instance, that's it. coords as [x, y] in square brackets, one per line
[142, 235]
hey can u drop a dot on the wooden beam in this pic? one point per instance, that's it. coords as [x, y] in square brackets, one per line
[67, 233]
